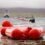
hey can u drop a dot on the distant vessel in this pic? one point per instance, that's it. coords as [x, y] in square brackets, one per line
[31, 19]
[6, 14]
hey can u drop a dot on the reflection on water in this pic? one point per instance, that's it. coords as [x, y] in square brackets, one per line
[4, 40]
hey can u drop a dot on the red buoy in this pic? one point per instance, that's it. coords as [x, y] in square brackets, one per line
[17, 32]
[13, 33]
[3, 29]
[34, 34]
[25, 30]
[7, 23]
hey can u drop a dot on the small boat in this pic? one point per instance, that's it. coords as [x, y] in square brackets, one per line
[6, 16]
[31, 19]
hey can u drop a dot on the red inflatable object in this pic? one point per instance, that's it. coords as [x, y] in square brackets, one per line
[6, 23]
[25, 30]
[3, 29]
[40, 29]
[34, 34]
[14, 33]
[17, 32]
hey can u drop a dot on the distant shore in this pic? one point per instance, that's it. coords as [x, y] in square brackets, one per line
[22, 12]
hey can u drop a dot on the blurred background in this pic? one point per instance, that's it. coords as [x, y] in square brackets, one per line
[22, 8]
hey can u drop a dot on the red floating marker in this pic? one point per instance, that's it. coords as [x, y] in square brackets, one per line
[17, 32]
[25, 30]
[6, 23]
[40, 29]
[3, 29]
[34, 34]
[14, 33]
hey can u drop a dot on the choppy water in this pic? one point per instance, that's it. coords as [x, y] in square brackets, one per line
[39, 22]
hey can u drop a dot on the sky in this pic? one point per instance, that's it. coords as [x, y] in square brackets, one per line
[22, 3]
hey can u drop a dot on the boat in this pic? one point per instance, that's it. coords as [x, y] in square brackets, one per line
[6, 16]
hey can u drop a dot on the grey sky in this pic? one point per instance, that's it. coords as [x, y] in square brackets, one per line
[22, 3]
